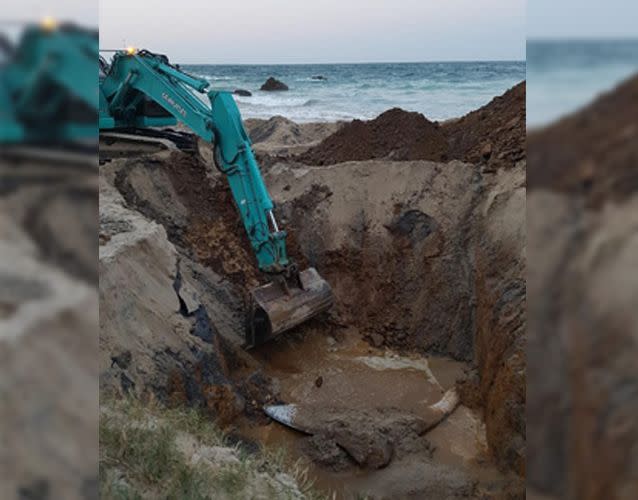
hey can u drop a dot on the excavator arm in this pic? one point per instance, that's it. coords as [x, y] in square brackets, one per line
[143, 75]
[133, 79]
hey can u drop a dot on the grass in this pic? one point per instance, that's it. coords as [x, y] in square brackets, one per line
[140, 459]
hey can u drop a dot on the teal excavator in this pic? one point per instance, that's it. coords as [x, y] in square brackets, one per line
[48, 96]
[139, 89]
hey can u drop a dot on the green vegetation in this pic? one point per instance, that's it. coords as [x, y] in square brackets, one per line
[148, 451]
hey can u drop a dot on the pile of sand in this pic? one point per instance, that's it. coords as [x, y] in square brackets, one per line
[593, 153]
[395, 134]
[494, 134]
[281, 136]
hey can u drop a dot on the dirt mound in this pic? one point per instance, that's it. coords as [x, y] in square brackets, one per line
[492, 135]
[395, 134]
[593, 152]
[281, 136]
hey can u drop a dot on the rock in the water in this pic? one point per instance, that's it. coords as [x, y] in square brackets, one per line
[243, 93]
[318, 77]
[272, 84]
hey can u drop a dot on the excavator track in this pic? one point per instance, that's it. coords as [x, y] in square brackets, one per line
[128, 142]
[81, 156]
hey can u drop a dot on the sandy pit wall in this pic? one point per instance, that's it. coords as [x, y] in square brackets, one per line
[582, 231]
[407, 247]
[425, 257]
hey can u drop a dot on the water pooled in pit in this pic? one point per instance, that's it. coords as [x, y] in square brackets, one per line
[321, 372]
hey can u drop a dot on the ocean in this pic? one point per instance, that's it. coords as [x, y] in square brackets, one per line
[563, 76]
[440, 90]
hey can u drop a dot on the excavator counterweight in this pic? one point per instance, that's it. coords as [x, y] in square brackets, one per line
[136, 81]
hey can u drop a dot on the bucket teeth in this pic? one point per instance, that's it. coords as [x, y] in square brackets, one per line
[276, 308]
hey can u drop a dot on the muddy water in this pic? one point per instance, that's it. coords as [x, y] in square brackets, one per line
[321, 370]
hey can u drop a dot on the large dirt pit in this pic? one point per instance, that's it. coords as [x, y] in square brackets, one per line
[426, 261]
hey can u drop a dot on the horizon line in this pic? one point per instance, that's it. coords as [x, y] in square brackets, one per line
[467, 61]
[581, 38]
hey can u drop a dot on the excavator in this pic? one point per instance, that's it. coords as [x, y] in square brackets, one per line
[48, 98]
[139, 90]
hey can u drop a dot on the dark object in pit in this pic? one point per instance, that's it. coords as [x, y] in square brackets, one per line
[370, 437]
[327, 453]
[122, 361]
[39, 489]
[414, 225]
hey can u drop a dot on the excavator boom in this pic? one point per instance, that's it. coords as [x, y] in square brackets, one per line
[135, 78]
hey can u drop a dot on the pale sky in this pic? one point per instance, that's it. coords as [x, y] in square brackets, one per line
[301, 31]
[84, 12]
[582, 18]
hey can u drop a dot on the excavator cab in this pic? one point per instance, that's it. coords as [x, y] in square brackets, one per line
[133, 82]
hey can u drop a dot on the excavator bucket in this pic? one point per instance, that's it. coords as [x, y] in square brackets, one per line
[280, 306]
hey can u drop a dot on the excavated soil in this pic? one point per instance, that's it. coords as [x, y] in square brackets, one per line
[493, 135]
[280, 136]
[395, 134]
[424, 258]
[592, 154]
[204, 223]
